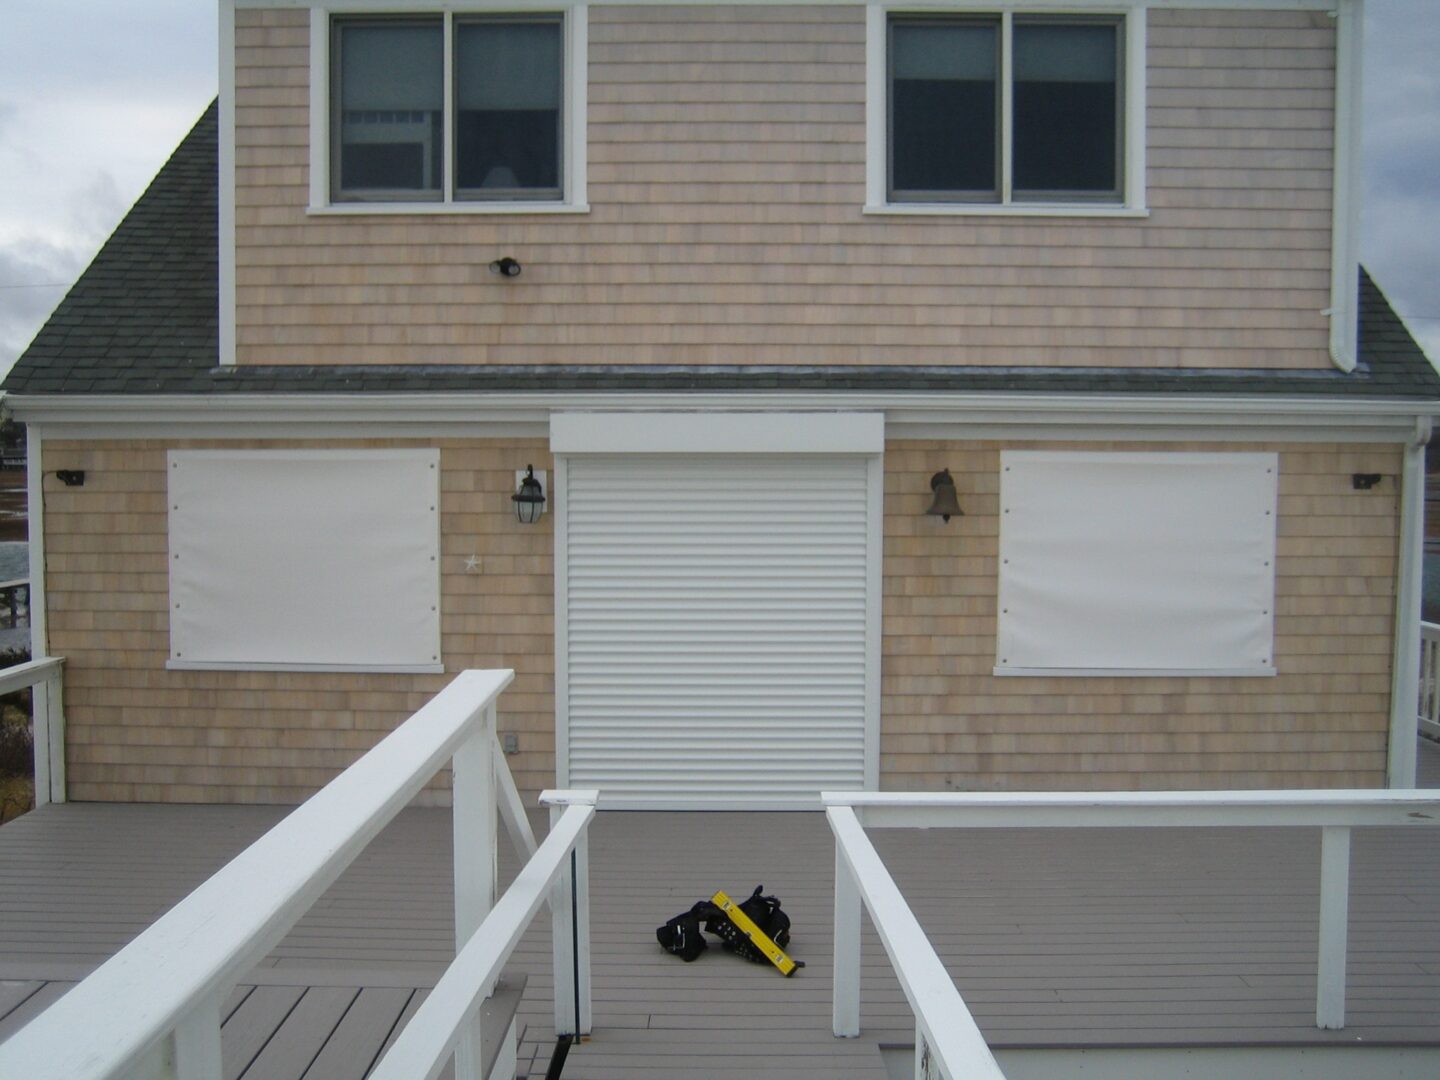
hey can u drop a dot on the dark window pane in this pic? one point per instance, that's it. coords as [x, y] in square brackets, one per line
[943, 108]
[507, 99]
[1067, 126]
[390, 96]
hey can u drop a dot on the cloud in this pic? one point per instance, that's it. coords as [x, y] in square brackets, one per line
[1402, 160]
[34, 276]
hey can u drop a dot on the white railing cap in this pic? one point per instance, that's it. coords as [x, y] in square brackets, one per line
[1297, 797]
[30, 673]
[1139, 809]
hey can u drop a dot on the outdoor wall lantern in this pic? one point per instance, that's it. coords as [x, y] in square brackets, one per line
[945, 504]
[505, 267]
[529, 498]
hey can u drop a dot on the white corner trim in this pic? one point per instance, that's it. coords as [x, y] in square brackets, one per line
[717, 433]
[225, 269]
[1400, 762]
[1348, 185]
[35, 500]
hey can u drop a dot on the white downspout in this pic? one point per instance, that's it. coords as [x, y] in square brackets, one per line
[1405, 685]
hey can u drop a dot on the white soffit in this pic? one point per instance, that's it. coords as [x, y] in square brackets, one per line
[304, 559]
[717, 433]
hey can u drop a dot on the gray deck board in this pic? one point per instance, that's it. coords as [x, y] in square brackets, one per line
[14, 993]
[355, 1044]
[1059, 938]
[306, 1029]
[251, 1026]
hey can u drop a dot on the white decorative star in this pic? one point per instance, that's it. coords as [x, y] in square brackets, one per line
[472, 564]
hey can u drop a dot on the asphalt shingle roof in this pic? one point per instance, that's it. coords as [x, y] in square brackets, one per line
[143, 320]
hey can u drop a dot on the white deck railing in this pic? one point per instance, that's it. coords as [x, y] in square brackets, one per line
[153, 1009]
[1430, 679]
[947, 1042]
[47, 716]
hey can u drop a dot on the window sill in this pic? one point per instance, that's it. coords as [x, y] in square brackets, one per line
[1049, 210]
[374, 209]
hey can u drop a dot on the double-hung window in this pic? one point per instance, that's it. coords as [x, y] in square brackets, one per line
[451, 109]
[1011, 109]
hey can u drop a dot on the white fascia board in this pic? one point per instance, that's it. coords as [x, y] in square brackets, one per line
[707, 432]
[917, 414]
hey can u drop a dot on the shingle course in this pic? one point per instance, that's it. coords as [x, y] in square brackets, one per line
[143, 319]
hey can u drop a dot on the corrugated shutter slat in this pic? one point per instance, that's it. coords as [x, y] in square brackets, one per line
[716, 628]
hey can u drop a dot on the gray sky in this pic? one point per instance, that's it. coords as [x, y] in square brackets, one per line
[94, 96]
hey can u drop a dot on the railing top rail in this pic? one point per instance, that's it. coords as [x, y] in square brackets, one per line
[427, 1041]
[1138, 809]
[1433, 628]
[208, 940]
[940, 1011]
[30, 673]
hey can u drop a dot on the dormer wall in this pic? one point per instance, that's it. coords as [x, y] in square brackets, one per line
[724, 211]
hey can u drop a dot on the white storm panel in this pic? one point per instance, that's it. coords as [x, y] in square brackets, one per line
[716, 628]
[305, 559]
[1136, 563]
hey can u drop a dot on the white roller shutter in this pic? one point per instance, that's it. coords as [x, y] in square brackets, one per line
[714, 632]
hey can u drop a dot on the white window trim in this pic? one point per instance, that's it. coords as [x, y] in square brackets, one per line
[877, 135]
[575, 180]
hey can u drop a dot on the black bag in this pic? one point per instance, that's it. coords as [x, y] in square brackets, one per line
[681, 935]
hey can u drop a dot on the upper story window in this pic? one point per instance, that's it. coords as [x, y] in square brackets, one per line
[452, 111]
[1006, 112]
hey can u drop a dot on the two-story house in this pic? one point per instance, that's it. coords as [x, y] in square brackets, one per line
[963, 395]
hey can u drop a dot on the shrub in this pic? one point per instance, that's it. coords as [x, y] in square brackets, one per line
[17, 749]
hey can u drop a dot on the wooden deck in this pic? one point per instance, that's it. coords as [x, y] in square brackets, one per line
[1074, 938]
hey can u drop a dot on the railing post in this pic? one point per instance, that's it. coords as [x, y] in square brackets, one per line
[474, 830]
[197, 1042]
[55, 722]
[570, 937]
[846, 988]
[1334, 920]
[47, 725]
